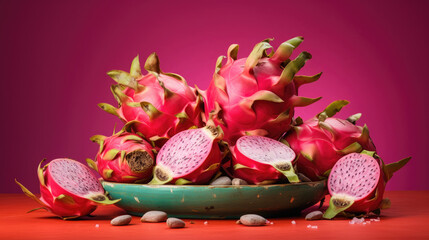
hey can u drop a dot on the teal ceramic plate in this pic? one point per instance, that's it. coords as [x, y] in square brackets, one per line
[216, 202]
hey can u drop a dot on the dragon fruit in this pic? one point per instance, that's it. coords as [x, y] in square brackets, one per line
[68, 189]
[162, 103]
[189, 157]
[257, 95]
[262, 160]
[357, 182]
[321, 141]
[123, 157]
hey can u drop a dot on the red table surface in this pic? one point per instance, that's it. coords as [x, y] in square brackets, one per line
[408, 218]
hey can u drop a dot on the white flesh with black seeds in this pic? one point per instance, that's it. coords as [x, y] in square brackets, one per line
[74, 177]
[185, 151]
[265, 150]
[355, 175]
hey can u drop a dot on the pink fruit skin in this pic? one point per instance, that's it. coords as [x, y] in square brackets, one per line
[168, 124]
[82, 206]
[122, 172]
[254, 99]
[50, 190]
[257, 172]
[168, 95]
[324, 146]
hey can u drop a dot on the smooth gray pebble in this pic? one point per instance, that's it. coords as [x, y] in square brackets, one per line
[175, 223]
[239, 181]
[315, 215]
[224, 180]
[154, 217]
[253, 220]
[121, 220]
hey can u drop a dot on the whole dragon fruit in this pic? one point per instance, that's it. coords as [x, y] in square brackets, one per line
[257, 95]
[262, 160]
[68, 189]
[189, 157]
[357, 182]
[162, 103]
[123, 157]
[321, 141]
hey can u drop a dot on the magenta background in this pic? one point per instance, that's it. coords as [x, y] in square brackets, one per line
[54, 58]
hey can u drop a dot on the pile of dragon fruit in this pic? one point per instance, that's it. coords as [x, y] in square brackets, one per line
[242, 126]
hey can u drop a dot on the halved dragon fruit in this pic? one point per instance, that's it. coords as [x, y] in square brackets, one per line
[123, 157]
[262, 160]
[357, 182]
[189, 157]
[68, 189]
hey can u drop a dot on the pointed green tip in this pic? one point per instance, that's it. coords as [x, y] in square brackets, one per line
[284, 51]
[298, 101]
[334, 107]
[105, 201]
[369, 153]
[296, 41]
[364, 137]
[354, 118]
[40, 173]
[152, 64]
[135, 70]
[240, 166]
[92, 164]
[150, 110]
[29, 194]
[182, 181]
[257, 53]
[65, 199]
[391, 168]
[123, 78]
[107, 173]
[109, 108]
[306, 55]
[307, 155]
[301, 80]
[354, 147]
[298, 121]
[111, 154]
[232, 52]
[99, 139]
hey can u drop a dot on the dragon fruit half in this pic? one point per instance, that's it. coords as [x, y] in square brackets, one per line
[123, 157]
[262, 160]
[357, 182]
[257, 95]
[68, 189]
[321, 141]
[189, 157]
[162, 103]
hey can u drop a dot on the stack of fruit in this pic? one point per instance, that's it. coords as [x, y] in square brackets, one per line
[241, 126]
